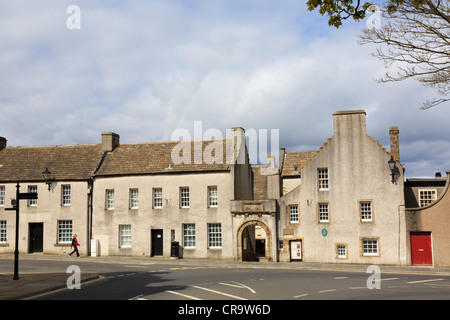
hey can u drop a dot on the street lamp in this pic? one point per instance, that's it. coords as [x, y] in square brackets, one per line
[19, 196]
[391, 164]
[46, 175]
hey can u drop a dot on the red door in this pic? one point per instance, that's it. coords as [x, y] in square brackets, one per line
[421, 253]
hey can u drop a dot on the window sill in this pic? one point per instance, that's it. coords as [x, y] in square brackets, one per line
[62, 244]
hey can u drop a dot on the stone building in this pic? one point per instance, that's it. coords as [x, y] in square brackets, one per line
[427, 220]
[339, 204]
[345, 207]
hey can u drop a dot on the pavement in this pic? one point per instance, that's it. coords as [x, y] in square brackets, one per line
[34, 284]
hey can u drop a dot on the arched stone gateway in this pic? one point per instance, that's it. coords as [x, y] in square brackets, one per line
[246, 247]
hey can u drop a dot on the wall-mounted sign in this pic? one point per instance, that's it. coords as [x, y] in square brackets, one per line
[324, 232]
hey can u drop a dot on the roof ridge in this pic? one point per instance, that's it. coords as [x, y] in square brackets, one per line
[176, 141]
[54, 146]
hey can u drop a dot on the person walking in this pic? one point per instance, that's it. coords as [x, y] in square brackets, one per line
[74, 245]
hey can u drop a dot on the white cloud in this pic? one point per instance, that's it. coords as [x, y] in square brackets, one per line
[146, 68]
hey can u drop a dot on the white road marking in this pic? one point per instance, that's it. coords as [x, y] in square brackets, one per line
[330, 290]
[183, 295]
[238, 285]
[387, 279]
[218, 292]
[301, 295]
[429, 280]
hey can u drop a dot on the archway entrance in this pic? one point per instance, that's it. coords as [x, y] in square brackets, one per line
[254, 241]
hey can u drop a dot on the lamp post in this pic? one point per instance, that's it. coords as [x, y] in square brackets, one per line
[391, 164]
[19, 196]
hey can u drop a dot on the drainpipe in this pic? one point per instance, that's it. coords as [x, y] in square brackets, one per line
[90, 190]
[398, 210]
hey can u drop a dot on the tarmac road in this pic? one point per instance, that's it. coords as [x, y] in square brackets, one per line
[132, 278]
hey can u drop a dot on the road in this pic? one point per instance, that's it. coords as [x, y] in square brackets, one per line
[166, 281]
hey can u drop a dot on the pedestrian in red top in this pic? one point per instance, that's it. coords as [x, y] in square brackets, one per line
[74, 245]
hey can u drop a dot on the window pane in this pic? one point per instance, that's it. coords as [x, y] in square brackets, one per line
[214, 235]
[189, 235]
[323, 212]
[341, 251]
[293, 213]
[2, 231]
[427, 197]
[184, 197]
[125, 236]
[212, 196]
[370, 247]
[65, 231]
[32, 189]
[134, 198]
[110, 199]
[2, 195]
[366, 211]
[157, 198]
[323, 178]
[66, 195]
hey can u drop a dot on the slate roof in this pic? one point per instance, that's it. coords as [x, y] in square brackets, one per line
[297, 160]
[80, 162]
[69, 162]
[259, 183]
[156, 158]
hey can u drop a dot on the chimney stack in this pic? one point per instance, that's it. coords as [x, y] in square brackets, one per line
[395, 146]
[349, 123]
[238, 142]
[2, 143]
[110, 141]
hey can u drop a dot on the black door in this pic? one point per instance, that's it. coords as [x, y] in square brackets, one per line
[157, 242]
[36, 237]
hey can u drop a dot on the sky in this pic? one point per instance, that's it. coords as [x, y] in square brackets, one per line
[146, 68]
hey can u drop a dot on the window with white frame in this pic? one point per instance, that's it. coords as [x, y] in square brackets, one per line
[109, 199]
[32, 202]
[134, 198]
[189, 235]
[64, 231]
[2, 196]
[293, 213]
[212, 196]
[365, 211]
[125, 236]
[341, 250]
[427, 197]
[184, 197]
[2, 231]
[214, 235]
[370, 247]
[65, 194]
[157, 198]
[324, 214]
[322, 175]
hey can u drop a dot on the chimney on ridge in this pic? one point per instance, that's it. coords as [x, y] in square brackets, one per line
[395, 146]
[110, 141]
